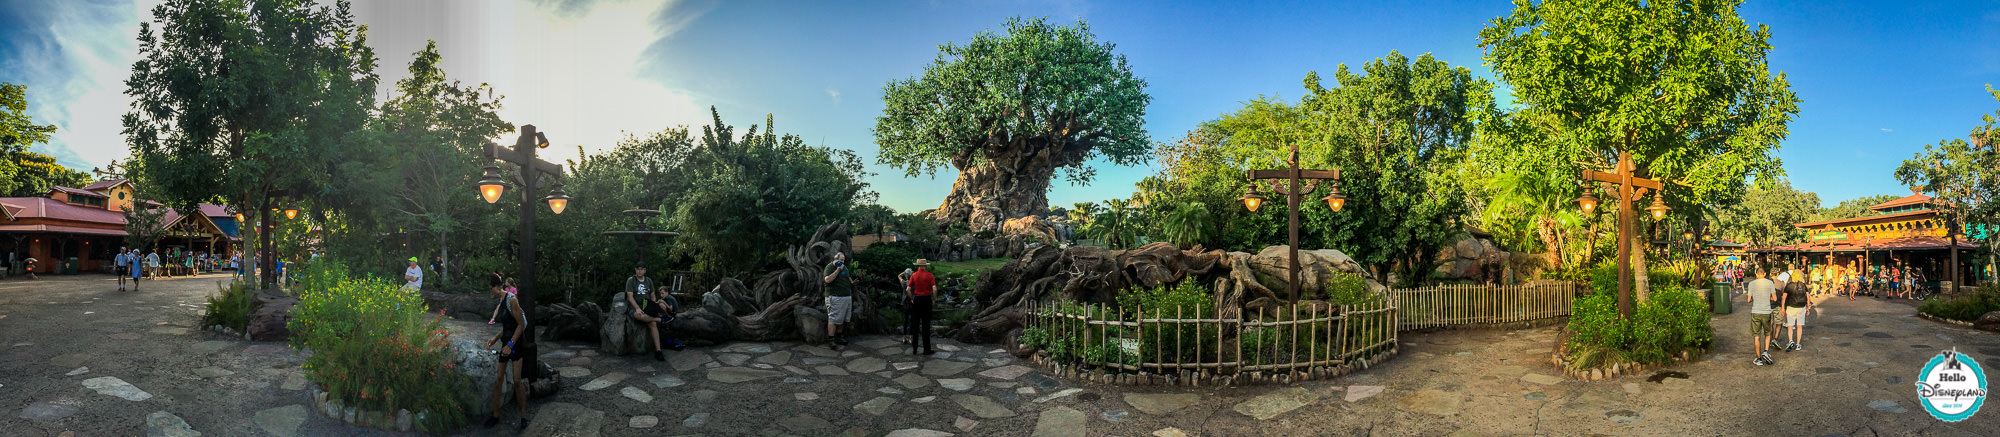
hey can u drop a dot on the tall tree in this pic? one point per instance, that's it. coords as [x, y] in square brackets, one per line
[1007, 111]
[25, 173]
[427, 149]
[1965, 178]
[236, 99]
[1851, 208]
[760, 192]
[1765, 216]
[1683, 86]
[18, 129]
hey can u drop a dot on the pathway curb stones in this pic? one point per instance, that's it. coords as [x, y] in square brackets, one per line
[164, 424]
[1276, 403]
[876, 406]
[1160, 404]
[1061, 422]
[732, 375]
[281, 421]
[984, 407]
[695, 420]
[1356, 393]
[565, 419]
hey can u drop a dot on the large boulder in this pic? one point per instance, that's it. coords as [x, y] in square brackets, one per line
[812, 323]
[1469, 248]
[1033, 226]
[620, 334]
[565, 322]
[274, 312]
[1988, 322]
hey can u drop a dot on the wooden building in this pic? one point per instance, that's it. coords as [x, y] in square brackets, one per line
[89, 224]
[1906, 231]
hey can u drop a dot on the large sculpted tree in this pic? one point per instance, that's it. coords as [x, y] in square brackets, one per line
[1008, 110]
[234, 100]
[1682, 86]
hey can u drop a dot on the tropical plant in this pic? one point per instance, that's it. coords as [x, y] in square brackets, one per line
[1187, 224]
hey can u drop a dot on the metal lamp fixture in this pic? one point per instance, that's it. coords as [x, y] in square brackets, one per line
[1252, 200]
[1659, 208]
[1334, 199]
[490, 185]
[1588, 201]
[557, 200]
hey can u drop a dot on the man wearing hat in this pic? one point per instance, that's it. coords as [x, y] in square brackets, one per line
[413, 277]
[921, 286]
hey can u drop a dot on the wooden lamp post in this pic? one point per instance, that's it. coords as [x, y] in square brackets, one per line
[1300, 182]
[1629, 187]
[490, 187]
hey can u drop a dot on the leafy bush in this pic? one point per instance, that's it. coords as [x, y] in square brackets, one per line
[1035, 337]
[1674, 319]
[885, 258]
[230, 306]
[1965, 308]
[1174, 342]
[374, 348]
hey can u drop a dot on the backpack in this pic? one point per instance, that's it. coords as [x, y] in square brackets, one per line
[1795, 296]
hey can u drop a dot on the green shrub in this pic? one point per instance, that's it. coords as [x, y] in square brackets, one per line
[1674, 319]
[374, 348]
[1966, 307]
[1174, 342]
[885, 258]
[230, 306]
[1035, 337]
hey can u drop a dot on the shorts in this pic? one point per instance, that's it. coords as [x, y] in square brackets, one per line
[1795, 317]
[1760, 325]
[528, 348]
[839, 308]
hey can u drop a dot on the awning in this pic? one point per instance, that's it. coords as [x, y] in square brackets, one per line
[62, 229]
[1906, 243]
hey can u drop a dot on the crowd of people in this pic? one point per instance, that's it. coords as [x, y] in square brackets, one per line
[1896, 279]
[1781, 298]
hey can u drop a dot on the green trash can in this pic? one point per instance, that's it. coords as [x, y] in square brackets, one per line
[1719, 298]
[69, 266]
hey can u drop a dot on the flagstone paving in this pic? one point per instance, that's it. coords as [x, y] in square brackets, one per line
[151, 367]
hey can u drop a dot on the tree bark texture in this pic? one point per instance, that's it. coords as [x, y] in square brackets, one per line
[1013, 183]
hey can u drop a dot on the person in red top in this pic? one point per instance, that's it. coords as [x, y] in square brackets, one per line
[920, 288]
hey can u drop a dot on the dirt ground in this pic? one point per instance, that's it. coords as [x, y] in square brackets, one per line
[1854, 378]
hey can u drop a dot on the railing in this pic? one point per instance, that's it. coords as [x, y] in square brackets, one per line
[1463, 306]
[1193, 344]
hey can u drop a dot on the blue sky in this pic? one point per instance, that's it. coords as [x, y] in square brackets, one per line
[1878, 79]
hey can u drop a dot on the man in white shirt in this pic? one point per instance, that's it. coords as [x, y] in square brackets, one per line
[1760, 294]
[119, 264]
[413, 276]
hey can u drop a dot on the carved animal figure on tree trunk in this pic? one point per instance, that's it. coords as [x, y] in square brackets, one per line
[1008, 110]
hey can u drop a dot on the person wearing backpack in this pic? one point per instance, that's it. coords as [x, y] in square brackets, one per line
[1792, 307]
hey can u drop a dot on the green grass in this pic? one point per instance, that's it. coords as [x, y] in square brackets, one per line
[972, 267]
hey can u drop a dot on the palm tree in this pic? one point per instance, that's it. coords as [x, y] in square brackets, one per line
[1187, 224]
[1544, 202]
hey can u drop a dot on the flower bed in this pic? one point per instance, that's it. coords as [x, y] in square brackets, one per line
[376, 355]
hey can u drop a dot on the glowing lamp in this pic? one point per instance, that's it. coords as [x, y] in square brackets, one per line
[490, 185]
[1252, 200]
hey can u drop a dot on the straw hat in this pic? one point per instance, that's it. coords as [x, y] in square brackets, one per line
[922, 262]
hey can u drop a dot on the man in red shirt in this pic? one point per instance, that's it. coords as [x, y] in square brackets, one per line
[920, 288]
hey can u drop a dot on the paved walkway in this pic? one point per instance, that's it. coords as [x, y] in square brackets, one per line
[1854, 378]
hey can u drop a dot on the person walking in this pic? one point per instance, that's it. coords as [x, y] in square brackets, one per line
[922, 286]
[511, 355]
[119, 263]
[132, 268]
[1760, 317]
[413, 276]
[1792, 306]
[648, 306]
[839, 297]
[153, 264]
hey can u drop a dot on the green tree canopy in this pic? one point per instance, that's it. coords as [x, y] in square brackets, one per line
[1851, 208]
[233, 99]
[1964, 176]
[754, 195]
[1008, 110]
[1766, 215]
[17, 129]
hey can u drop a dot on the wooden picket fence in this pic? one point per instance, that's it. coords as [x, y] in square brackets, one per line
[1182, 345]
[1484, 306]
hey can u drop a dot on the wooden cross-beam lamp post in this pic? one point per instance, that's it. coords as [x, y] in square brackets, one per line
[1629, 187]
[1300, 183]
[522, 155]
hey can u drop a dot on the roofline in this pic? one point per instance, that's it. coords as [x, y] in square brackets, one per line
[1856, 219]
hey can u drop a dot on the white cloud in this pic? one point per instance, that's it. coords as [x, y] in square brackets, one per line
[81, 88]
[1887, 130]
[833, 93]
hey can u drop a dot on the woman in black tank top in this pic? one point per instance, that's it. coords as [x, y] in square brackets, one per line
[513, 325]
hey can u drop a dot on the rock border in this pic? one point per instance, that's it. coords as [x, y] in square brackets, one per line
[1103, 375]
[1620, 369]
[400, 421]
[1921, 314]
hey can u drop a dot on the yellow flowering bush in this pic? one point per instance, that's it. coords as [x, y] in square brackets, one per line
[374, 348]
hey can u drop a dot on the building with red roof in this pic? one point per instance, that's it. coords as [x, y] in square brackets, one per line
[1907, 231]
[89, 224]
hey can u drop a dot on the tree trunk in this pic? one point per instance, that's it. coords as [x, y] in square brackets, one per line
[993, 191]
[1545, 228]
[444, 254]
[1641, 286]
